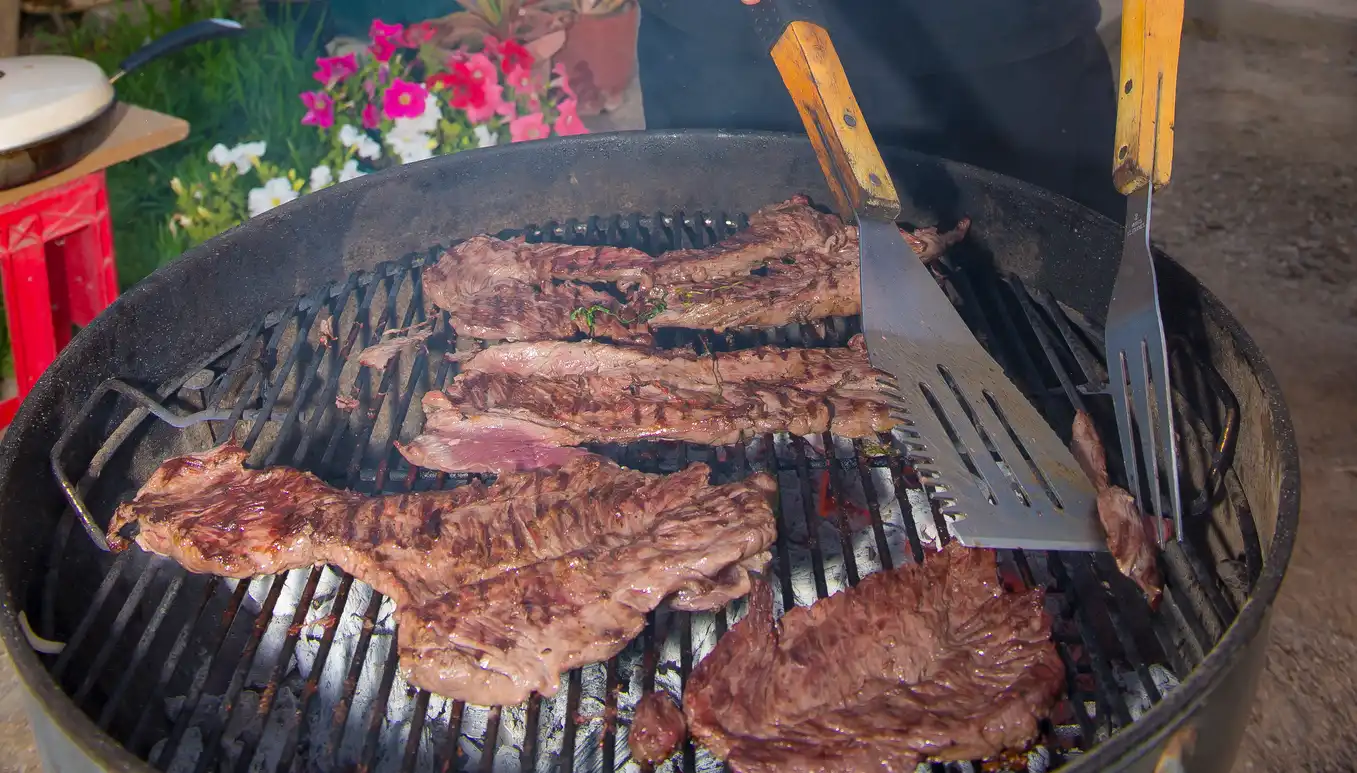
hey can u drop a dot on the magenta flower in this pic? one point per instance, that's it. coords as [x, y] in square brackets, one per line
[371, 118]
[333, 69]
[380, 30]
[404, 99]
[382, 49]
[568, 122]
[528, 127]
[320, 109]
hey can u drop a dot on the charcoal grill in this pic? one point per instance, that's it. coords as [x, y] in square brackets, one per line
[255, 334]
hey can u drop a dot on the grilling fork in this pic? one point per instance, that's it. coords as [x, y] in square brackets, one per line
[1137, 358]
[1002, 476]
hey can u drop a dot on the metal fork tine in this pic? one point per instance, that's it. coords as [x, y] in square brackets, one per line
[1167, 459]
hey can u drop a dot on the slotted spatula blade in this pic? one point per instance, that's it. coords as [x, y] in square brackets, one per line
[1004, 477]
[1009, 480]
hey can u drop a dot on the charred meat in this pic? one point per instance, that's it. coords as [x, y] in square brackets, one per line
[934, 661]
[498, 588]
[657, 729]
[1131, 535]
[513, 403]
[791, 253]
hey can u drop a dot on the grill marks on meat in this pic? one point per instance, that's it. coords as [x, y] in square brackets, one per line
[1131, 535]
[507, 290]
[586, 549]
[791, 264]
[657, 728]
[932, 661]
[501, 640]
[516, 398]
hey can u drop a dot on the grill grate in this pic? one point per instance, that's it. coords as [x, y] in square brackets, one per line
[299, 672]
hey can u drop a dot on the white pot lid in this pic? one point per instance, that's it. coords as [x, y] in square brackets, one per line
[45, 96]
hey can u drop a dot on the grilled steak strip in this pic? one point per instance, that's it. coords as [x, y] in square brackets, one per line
[790, 253]
[498, 641]
[530, 541]
[504, 290]
[932, 661]
[794, 287]
[563, 394]
[1131, 535]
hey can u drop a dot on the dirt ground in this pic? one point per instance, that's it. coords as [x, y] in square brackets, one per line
[1264, 207]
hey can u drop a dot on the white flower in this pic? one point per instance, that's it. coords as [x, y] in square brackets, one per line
[484, 137]
[350, 171]
[348, 135]
[221, 155]
[362, 144]
[321, 176]
[428, 120]
[410, 141]
[243, 155]
[246, 153]
[276, 191]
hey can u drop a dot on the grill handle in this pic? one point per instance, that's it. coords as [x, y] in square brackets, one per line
[814, 76]
[75, 494]
[1151, 38]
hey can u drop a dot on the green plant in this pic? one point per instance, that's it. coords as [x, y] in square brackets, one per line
[227, 90]
[599, 7]
[526, 20]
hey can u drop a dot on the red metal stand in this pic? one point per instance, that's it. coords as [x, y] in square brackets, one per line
[56, 260]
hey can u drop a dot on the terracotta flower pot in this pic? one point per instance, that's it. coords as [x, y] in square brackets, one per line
[600, 57]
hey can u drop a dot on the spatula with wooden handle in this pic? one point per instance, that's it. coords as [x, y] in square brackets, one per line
[1137, 358]
[1004, 478]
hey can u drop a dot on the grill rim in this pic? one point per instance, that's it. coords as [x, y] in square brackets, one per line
[63, 388]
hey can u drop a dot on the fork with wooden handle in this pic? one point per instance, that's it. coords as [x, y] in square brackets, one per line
[1137, 357]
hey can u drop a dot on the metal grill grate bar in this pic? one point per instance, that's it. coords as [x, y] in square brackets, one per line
[356, 702]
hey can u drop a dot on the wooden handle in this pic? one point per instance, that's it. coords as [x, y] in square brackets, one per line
[852, 164]
[1151, 37]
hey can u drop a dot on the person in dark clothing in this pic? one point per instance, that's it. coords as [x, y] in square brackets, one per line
[1020, 87]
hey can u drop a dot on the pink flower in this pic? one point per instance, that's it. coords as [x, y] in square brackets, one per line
[382, 49]
[568, 122]
[380, 30]
[493, 103]
[482, 69]
[333, 69]
[491, 45]
[519, 80]
[320, 109]
[562, 80]
[371, 118]
[404, 99]
[418, 34]
[528, 127]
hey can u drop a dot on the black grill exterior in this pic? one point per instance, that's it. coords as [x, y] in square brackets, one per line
[300, 673]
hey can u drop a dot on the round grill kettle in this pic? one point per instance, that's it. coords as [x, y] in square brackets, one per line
[55, 110]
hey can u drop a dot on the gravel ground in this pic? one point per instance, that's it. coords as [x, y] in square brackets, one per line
[1264, 208]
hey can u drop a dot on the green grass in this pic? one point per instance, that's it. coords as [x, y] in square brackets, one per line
[231, 90]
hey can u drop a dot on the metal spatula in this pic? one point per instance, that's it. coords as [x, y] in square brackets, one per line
[1006, 479]
[1137, 358]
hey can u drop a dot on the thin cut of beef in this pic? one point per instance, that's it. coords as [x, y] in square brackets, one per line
[934, 661]
[515, 402]
[791, 264]
[498, 588]
[500, 289]
[657, 728]
[793, 287]
[1131, 535]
